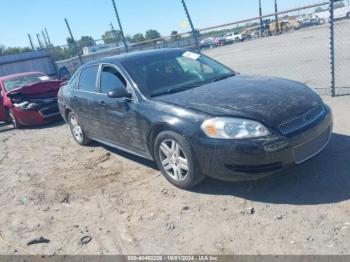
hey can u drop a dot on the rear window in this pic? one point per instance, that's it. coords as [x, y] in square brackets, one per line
[87, 81]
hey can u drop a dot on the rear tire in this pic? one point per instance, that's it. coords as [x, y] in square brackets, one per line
[176, 160]
[13, 120]
[77, 131]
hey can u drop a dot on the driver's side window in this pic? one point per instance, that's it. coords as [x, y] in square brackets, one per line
[111, 79]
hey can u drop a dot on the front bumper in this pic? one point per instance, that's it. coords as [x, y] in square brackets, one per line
[255, 158]
[42, 116]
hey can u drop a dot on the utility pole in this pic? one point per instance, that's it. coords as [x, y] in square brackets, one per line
[194, 32]
[115, 34]
[45, 40]
[39, 41]
[261, 21]
[120, 26]
[31, 41]
[47, 36]
[276, 18]
[74, 43]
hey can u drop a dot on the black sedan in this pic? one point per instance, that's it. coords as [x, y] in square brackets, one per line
[194, 116]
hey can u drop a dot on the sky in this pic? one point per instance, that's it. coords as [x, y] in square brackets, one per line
[93, 17]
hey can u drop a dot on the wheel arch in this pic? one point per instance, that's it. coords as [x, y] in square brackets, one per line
[67, 110]
[156, 130]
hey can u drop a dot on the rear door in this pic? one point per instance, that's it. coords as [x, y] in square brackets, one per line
[2, 108]
[83, 99]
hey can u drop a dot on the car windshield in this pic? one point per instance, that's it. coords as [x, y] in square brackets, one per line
[173, 72]
[20, 81]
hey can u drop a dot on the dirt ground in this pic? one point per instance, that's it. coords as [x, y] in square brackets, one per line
[53, 188]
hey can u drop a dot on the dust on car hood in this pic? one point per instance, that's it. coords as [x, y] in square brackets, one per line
[37, 88]
[270, 100]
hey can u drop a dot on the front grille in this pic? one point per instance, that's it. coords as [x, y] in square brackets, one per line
[255, 169]
[302, 120]
[311, 148]
[48, 111]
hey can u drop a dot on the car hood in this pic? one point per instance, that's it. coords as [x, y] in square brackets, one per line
[37, 88]
[269, 100]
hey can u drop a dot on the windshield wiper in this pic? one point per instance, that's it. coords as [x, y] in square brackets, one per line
[183, 88]
[177, 89]
[222, 77]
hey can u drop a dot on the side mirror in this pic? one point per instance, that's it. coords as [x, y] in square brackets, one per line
[119, 92]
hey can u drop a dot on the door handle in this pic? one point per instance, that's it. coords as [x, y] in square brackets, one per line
[75, 98]
[102, 103]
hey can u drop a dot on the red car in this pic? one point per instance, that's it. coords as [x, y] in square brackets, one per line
[28, 99]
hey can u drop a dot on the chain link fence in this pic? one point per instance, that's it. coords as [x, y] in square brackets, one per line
[296, 46]
[342, 50]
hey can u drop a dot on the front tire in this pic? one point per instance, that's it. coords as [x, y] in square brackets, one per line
[13, 119]
[176, 160]
[77, 131]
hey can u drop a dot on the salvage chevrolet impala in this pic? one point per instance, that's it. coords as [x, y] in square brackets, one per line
[194, 116]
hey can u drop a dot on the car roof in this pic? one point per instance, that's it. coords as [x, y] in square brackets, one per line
[14, 76]
[135, 55]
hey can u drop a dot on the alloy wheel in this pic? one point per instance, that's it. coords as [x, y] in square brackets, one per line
[173, 159]
[76, 129]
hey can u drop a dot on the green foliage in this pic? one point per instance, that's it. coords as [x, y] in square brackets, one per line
[112, 37]
[138, 38]
[13, 50]
[152, 34]
[174, 35]
[60, 53]
[86, 41]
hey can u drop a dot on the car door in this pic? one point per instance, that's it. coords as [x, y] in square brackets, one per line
[83, 99]
[2, 107]
[119, 119]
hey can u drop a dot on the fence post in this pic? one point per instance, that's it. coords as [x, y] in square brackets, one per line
[276, 18]
[261, 20]
[74, 43]
[31, 41]
[332, 55]
[194, 31]
[120, 26]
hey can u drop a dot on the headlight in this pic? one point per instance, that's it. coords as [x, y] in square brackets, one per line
[233, 128]
[26, 105]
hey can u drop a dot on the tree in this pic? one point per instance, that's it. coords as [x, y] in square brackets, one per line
[138, 38]
[14, 50]
[112, 36]
[2, 49]
[86, 41]
[70, 42]
[175, 35]
[152, 34]
[59, 53]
